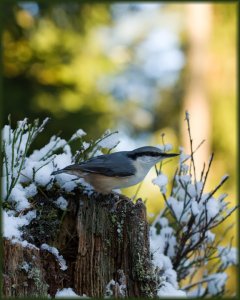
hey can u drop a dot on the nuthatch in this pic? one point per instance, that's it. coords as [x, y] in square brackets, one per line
[117, 170]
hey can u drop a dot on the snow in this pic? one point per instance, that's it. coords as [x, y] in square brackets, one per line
[6, 134]
[216, 283]
[18, 195]
[62, 160]
[165, 148]
[112, 285]
[4, 187]
[184, 202]
[55, 252]
[168, 277]
[167, 234]
[157, 245]
[68, 185]
[66, 181]
[30, 215]
[176, 206]
[163, 222]
[161, 180]
[30, 190]
[168, 147]
[12, 225]
[195, 207]
[25, 266]
[61, 203]
[162, 261]
[224, 177]
[37, 171]
[150, 215]
[210, 236]
[229, 256]
[78, 134]
[183, 156]
[110, 141]
[187, 115]
[194, 189]
[47, 150]
[184, 178]
[68, 292]
[222, 197]
[42, 176]
[197, 292]
[168, 291]
[184, 168]
[108, 289]
[213, 208]
[24, 244]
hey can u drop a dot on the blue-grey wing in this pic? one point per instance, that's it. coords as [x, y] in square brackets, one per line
[115, 164]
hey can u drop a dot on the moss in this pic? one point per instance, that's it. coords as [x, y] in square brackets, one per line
[9, 205]
[41, 287]
[146, 276]
[25, 266]
[118, 219]
[108, 242]
[141, 273]
[113, 218]
[32, 279]
[44, 227]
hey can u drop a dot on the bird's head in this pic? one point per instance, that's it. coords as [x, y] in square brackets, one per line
[149, 155]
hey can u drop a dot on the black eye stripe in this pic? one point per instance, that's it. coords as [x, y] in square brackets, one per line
[150, 153]
[147, 153]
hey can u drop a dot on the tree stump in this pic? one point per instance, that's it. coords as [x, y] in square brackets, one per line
[105, 243]
[23, 274]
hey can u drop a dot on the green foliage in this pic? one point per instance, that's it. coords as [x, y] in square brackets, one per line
[53, 61]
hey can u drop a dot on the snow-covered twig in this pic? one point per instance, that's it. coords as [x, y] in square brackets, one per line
[190, 214]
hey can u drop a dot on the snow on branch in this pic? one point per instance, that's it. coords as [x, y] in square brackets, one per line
[25, 174]
[182, 237]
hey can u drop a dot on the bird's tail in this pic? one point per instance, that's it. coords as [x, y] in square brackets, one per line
[57, 172]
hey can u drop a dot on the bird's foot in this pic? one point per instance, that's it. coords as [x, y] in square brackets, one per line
[114, 196]
[120, 200]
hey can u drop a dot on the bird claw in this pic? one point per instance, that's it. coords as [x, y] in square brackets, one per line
[120, 200]
[115, 196]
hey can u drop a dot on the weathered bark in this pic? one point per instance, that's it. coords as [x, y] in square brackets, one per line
[105, 243]
[17, 281]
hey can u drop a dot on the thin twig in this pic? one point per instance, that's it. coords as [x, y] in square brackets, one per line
[191, 147]
[206, 176]
[137, 190]
[217, 187]
[189, 286]
[200, 144]
[201, 178]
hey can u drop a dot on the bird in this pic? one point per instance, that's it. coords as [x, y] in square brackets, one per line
[117, 170]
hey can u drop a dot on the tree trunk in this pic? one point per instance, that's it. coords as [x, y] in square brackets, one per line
[196, 101]
[105, 243]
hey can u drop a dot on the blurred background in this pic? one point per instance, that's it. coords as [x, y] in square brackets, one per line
[134, 68]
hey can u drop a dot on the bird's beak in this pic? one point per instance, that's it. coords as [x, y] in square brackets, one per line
[170, 154]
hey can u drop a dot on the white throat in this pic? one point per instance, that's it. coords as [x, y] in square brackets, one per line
[143, 164]
[147, 160]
